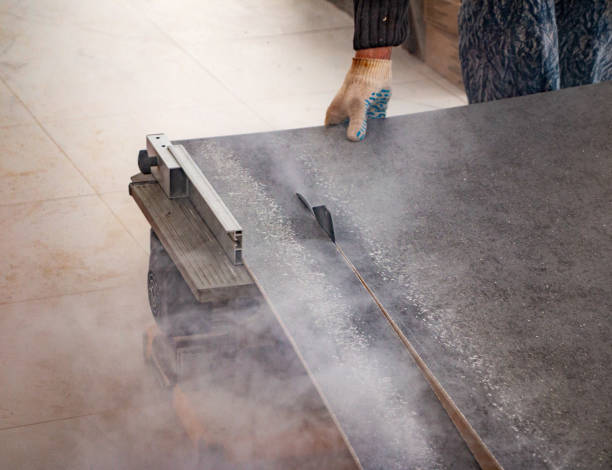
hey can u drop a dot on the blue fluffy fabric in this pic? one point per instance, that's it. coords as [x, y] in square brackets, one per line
[517, 47]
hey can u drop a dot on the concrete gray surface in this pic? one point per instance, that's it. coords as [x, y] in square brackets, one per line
[486, 231]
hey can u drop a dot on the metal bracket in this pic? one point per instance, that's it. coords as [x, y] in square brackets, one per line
[166, 170]
[180, 177]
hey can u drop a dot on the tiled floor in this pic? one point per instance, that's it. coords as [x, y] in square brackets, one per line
[81, 83]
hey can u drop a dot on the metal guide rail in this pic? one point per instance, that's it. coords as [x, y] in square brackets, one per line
[198, 231]
[179, 177]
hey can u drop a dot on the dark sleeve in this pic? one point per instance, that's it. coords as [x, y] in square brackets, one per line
[380, 23]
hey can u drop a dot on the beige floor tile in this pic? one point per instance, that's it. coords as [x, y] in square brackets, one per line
[408, 68]
[231, 117]
[444, 83]
[64, 246]
[59, 445]
[75, 355]
[265, 68]
[427, 93]
[129, 214]
[110, 17]
[308, 110]
[32, 168]
[149, 437]
[236, 19]
[63, 72]
[11, 110]
[397, 107]
[105, 149]
[294, 111]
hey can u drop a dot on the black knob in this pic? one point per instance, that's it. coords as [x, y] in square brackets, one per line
[145, 162]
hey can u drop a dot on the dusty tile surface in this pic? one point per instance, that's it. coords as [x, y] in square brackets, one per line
[149, 437]
[74, 355]
[68, 444]
[134, 438]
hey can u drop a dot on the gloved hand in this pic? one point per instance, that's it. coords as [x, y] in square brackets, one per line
[364, 95]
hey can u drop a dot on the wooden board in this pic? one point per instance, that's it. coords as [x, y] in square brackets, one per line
[442, 54]
[443, 14]
[191, 245]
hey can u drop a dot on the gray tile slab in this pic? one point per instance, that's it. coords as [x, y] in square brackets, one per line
[486, 231]
[373, 387]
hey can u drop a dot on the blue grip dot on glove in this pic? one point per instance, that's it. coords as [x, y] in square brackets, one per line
[376, 108]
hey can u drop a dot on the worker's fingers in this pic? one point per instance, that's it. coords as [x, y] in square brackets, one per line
[336, 112]
[358, 123]
[364, 95]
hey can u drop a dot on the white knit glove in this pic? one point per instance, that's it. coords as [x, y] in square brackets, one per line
[364, 95]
